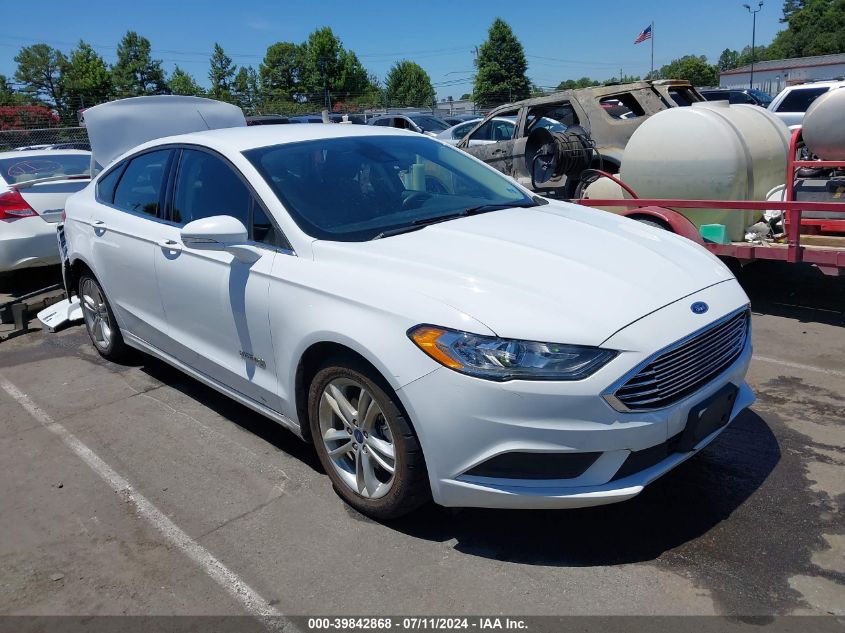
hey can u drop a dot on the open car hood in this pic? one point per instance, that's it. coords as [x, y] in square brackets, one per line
[118, 126]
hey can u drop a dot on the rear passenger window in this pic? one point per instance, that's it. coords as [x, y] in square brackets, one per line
[106, 184]
[800, 99]
[140, 187]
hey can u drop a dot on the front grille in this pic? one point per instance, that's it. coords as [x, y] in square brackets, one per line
[685, 367]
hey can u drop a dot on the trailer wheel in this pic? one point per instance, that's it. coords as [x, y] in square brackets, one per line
[652, 222]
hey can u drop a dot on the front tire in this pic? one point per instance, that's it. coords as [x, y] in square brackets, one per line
[99, 319]
[364, 441]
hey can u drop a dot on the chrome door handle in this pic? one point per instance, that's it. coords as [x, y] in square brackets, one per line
[170, 245]
[98, 225]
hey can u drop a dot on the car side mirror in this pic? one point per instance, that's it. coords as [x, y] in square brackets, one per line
[219, 233]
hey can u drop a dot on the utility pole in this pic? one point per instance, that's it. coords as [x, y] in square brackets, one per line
[753, 36]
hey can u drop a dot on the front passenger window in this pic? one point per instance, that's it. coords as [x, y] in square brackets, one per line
[483, 133]
[207, 186]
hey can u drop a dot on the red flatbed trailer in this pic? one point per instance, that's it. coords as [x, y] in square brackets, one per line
[825, 251]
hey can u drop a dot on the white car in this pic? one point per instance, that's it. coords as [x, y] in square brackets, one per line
[465, 341]
[497, 129]
[33, 188]
[792, 102]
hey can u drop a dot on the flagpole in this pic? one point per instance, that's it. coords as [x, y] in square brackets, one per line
[652, 50]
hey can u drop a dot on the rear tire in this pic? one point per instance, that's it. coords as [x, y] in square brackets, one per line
[364, 441]
[99, 319]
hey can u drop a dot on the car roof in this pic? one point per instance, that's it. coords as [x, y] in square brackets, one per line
[240, 139]
[832, 83]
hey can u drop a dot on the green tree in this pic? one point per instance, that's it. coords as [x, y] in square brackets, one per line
[500, 75]
[86, 80]
[814, 27]
[281, 71]
[40, 70]
[183, 83]
[572, 84]
[8, 96]
[693, 68]
[221, 74]
[293, 76]
[322, 63]
[466, 96]
[136, 73]
[790, 7]
[245, 89]
[728, 60]
[624, 79]
[353, 81]
[760, 53]
[407, 84]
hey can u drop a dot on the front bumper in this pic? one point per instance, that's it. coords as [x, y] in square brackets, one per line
[464, 422]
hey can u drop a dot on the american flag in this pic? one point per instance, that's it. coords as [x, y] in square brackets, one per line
[645, 35]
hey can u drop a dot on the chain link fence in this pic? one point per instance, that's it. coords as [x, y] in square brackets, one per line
[42, 138]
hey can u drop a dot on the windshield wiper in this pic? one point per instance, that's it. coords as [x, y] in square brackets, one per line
[486, 208]
[398, 231]
[482, 208]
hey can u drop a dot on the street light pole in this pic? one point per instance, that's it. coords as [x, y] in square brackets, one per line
[753, 36]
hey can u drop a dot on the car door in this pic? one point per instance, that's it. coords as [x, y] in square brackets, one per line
[216, 305]
[127, 226]
[484, 144]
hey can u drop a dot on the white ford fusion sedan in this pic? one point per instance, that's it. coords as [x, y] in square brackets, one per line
[436, 330]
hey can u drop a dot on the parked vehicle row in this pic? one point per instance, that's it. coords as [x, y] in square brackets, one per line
[400, 305]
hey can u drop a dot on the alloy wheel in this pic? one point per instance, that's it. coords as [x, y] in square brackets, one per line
[96, 314]
[357, 438]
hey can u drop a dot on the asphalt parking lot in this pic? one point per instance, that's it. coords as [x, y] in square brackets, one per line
[179, 483]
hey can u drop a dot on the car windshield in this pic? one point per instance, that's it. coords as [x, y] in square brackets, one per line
[47, 165]
[762, 97]
[354, 189]
[429, 123]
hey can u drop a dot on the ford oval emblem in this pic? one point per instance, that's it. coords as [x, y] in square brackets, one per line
[699, 307]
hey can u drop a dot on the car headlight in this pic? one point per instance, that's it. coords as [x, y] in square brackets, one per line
[507, 359]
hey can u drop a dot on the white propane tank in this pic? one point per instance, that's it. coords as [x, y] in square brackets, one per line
[824, 126]
[606, 189]
[711, 151]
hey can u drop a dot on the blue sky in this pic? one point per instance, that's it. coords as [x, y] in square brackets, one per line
[562, 40]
